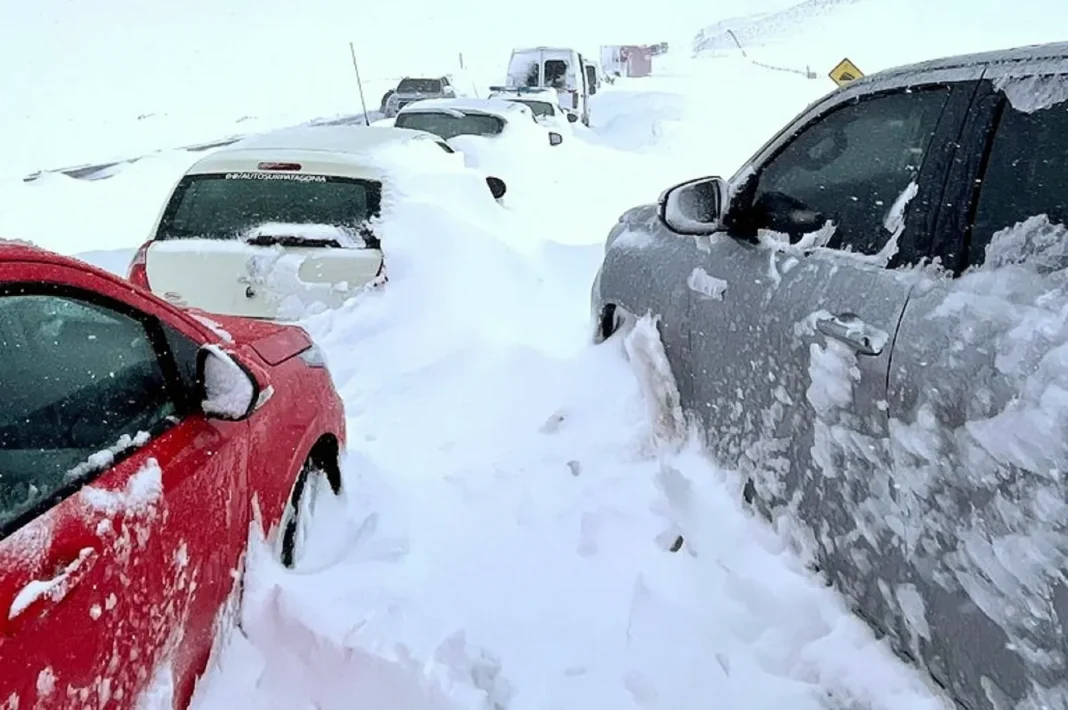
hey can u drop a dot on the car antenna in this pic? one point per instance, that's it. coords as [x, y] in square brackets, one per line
[363, 102]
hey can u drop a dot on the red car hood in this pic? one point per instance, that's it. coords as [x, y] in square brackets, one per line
[274, 342]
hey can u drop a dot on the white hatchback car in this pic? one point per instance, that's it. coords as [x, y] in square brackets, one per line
[542, 102]
[485, 118]
[277, 224]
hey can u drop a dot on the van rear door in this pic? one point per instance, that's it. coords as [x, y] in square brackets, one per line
[264, 243]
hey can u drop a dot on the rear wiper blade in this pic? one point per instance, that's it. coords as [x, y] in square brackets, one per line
[289, 240]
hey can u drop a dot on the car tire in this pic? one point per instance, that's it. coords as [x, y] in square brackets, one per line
[314, 474]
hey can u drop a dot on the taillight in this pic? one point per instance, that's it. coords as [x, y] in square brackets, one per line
[138, 271]
[574, 99]
[279, 166]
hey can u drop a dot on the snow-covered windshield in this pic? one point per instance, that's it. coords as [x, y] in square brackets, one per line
[419, 86]
[448, 125]
[225, 206]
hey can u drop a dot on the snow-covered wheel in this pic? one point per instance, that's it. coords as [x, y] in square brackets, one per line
[315, 477]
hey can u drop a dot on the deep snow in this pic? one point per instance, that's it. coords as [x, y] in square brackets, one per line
[525, 523]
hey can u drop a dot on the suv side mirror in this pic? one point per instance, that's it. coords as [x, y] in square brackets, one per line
[695, 207]
[497, 187]
[555, 138]
[572, 118]
[229, 390]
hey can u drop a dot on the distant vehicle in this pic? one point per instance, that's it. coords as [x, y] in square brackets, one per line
[138, 442]
[415, 89]
[560, 69]
[868, 320]
[542, 102]
[275, 224]
[593, 75]
[489, 118]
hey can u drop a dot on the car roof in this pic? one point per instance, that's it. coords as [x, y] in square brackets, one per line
[342, 146]
[494, 107]
[523, 50]
[523, 92]
[15, 250]
[352, 140]
[1053, 52]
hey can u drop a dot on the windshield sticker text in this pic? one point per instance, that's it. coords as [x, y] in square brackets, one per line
[275, 176]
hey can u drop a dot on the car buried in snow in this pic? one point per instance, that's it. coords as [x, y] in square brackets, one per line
[542, 103]
[412, 89]
[867, 321]
[282, 224]
[493, 119]
[138, 443]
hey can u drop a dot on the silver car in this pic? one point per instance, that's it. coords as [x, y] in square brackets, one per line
[412, 89]
[870, 322]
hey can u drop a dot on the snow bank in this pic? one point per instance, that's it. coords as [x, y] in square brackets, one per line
[525, 522]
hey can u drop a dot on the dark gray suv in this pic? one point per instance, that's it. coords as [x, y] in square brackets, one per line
[869, 321]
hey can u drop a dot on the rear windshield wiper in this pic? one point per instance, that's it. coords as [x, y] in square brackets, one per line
[287, 240]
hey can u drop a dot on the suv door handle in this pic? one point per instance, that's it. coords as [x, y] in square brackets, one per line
[848, 328]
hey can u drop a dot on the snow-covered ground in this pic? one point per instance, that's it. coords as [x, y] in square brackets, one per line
[524, 523]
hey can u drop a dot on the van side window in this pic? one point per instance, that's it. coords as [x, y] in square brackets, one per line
[1026, 174]
[849, 167]
[556, 73]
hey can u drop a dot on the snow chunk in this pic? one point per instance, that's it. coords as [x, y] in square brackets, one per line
[46, 682]
[700, 282]
[228, 388]
[142, 491]
[214, 327]
[53, 589]
[895, 218]
[104, 459]
[1033, 93]
[1036, 244]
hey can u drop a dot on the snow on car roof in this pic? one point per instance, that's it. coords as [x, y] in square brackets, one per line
[523, 92]
[354, 150]
[494, 107]
[333, 139]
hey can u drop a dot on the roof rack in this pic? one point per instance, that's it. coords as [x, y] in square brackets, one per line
[518, 89]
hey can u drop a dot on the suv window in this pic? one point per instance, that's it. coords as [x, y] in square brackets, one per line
[229, 205]
[1026, 174]
[420, 86]
[849, 167]
[75, 377]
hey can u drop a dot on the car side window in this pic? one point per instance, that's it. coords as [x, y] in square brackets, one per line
[1026, 174]
[75, 379]
[849, 167]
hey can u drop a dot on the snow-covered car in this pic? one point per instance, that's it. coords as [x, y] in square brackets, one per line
[278, 224]
[869, 320]
[138, 442]
[495, 119]
[542, 103]
[411, 89]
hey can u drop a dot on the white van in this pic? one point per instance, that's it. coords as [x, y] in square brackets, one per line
[556, 68]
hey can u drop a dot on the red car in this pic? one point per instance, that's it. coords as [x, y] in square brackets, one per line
[137, 444]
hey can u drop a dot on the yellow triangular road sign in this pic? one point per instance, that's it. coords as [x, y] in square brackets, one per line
[844, 72]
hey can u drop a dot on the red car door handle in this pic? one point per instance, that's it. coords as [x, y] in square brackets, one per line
[38, 596]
